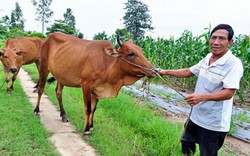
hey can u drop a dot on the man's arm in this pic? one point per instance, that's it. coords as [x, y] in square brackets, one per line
[224, 94]
[181, 73]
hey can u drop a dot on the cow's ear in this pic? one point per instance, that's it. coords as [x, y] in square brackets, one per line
[1, 53]
[110, 51]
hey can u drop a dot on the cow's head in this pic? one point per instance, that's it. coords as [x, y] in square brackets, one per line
[9, 58]
[132, 60]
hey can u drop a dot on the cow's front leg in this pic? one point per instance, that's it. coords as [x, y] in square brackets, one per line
[87, 107]
[94, 102]
[13, 79]
[59, 88]
[7, 79]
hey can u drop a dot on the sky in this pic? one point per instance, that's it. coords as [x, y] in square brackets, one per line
[169, 17]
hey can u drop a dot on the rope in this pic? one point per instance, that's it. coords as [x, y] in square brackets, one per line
[188, 119]
[136, 65]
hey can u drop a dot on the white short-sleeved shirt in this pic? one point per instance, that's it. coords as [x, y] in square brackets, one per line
[226, 72]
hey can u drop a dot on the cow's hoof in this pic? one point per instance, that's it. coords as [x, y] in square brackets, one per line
[8, 92]
[65, 118]
[87, 134]
[37, 115]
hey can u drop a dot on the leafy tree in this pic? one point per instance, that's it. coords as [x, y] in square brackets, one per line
[124, 33]
[69, 18]
[4, 26]
[136, 19]
[100, 36]
[79, 34]
[43, 11]
[61, 26]
[16, 19]
[6, 22]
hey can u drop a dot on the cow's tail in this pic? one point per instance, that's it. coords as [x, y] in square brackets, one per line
[51, 79]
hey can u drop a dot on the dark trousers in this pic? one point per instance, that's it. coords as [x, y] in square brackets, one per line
[209, 141]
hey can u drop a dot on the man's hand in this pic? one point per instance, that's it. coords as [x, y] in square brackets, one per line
[194, 99]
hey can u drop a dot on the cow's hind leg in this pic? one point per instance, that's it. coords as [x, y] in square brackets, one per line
[94, 102]
[59, 89]
[42, 82]
[36, 86]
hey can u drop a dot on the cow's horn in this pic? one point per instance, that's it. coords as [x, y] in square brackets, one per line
[118, 40]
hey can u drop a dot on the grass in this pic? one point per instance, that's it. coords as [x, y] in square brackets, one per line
[21, 133]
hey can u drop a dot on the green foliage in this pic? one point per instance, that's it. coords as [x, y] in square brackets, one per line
[66, 26]
[241, 48]
[35, 34]
[100, 36]
[124, 33]
[61, 26]
[69, 18]
[43, 11]
[80, 35]
[14, 33]
[17, 20]
[136, 19]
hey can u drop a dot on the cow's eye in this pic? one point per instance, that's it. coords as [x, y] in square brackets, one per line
[131, 54]
[5, 57]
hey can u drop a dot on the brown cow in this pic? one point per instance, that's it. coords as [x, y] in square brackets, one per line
[95, 66]
[18, 52]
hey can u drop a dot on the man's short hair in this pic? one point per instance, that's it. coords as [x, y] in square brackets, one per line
[226, 27]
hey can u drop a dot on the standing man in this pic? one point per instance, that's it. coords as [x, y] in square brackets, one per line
[219, 75]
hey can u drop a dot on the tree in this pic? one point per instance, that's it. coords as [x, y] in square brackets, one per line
[69, 18]
[124, 33]
[61, 26]
[136, 19]
[66, 26]
[43, 11]
[100, 36]
[16, 19]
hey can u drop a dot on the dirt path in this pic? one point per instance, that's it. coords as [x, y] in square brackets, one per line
[64, 137]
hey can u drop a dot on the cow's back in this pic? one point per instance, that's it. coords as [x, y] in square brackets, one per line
[71, 59]
[31, 46]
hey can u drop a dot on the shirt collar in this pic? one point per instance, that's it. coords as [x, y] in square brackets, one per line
[221, 60]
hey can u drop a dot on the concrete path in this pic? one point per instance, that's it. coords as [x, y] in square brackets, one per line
[64, 137]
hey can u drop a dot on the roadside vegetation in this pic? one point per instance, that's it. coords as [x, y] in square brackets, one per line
[20, 132]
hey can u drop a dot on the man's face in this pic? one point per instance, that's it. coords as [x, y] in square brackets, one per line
[219, 42]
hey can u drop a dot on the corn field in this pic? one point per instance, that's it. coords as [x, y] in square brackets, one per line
[187, 50]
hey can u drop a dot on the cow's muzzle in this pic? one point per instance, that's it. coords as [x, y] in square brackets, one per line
[13, 70]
